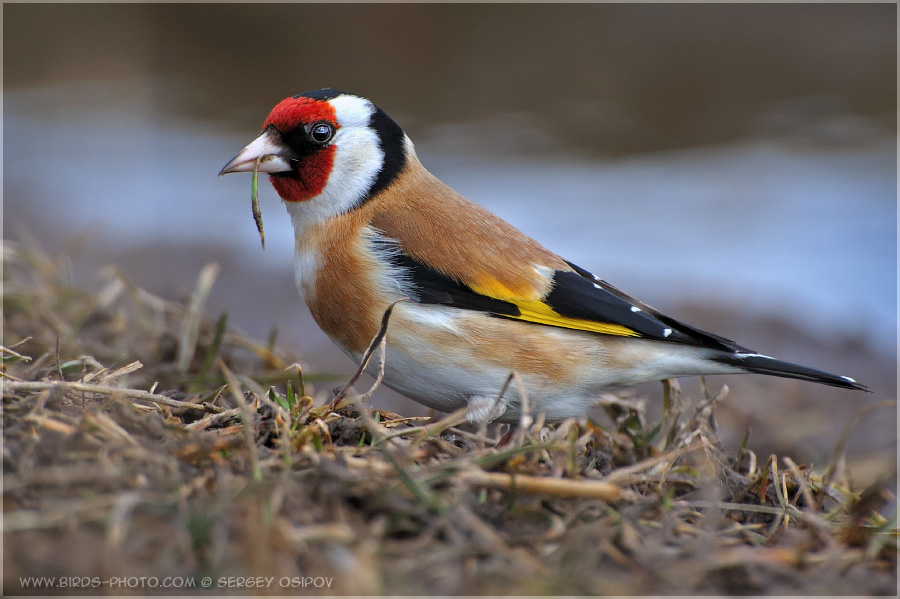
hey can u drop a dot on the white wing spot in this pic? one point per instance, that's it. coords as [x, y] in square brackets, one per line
[596, 286]
[636, 309]
[848, 379]
[667, 332]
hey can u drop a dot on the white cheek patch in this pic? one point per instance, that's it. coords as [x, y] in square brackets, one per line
[357, 161]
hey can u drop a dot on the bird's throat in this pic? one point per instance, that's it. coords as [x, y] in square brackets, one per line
[310, 179]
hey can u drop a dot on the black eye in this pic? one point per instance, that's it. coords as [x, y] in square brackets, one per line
[321, 132]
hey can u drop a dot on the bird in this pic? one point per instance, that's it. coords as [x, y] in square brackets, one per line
[483, 300]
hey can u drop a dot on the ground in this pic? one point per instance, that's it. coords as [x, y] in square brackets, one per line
[151, 450]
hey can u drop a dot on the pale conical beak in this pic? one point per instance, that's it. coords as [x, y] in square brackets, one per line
[267, 148]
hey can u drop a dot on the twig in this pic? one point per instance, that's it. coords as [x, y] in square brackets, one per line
[376, 342]
[382, 357]
[779, 484]
[213, 419]
[724, 505]
[558, 487]
[810, 514]
[468, 435]
[331, 532]
[67, 515]
[621, 474]
[188, 341]
[258, 349]
[50, 424]
[108, 377]
[379, 435]
[422, 494]
[15, 354]
[112, 428]
[811, 503]
[136, 394]
[430, 430]
[249, 435]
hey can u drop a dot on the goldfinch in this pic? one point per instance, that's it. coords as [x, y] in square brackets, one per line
[373, 226]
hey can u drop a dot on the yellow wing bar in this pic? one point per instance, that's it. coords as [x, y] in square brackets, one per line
[537, 311]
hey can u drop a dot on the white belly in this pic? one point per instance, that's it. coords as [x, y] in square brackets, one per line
[442, 356]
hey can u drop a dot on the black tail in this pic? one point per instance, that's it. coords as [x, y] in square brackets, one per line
[760, 364]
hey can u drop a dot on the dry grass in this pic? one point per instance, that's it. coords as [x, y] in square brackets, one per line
[143, 439]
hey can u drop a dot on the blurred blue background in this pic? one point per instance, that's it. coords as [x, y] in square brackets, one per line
[734, 165]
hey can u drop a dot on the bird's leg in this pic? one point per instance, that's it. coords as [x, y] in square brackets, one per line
[483, 408]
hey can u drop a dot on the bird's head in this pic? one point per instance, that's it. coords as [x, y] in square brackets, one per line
[326, 145]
